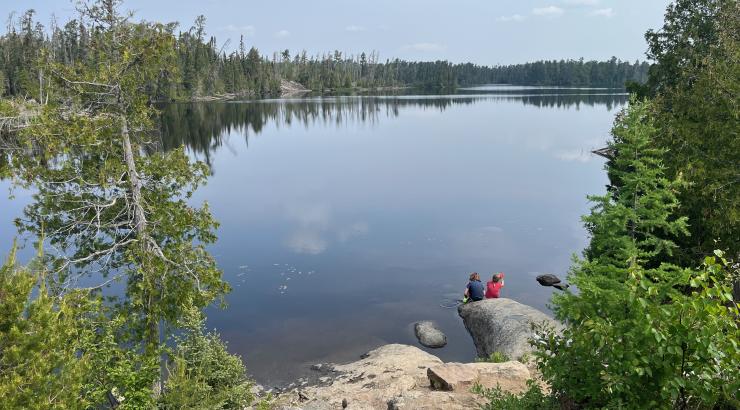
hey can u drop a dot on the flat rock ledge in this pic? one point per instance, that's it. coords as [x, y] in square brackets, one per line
[429, 334]
[503, 325]
[401, 377]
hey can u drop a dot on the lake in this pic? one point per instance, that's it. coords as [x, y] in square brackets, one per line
[344, 220]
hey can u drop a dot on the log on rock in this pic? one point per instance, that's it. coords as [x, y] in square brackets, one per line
[548, 279]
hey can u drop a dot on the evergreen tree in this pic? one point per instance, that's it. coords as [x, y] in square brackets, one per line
[641, 333]
[696, 80]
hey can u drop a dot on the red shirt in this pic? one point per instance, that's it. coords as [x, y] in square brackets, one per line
[493, 289]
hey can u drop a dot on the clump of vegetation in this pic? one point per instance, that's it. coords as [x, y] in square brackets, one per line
[532, 399]
[202, 373]
[495, 357]
[525, 358]
[41, 340]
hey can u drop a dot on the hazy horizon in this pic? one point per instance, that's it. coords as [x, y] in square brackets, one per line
[480, 32]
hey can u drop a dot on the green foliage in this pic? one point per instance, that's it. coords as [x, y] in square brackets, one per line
[123, 374]
[525, 358]
[636, 217]
[115, 208]
[659, 346]
[110, 201]
[495, 357]
[689, 31]
[641, 332]
[43, 364]
[203, 375]
[532, 399]
[696, 80]
[612, 73]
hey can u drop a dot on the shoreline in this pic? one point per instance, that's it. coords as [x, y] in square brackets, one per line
[402, 376]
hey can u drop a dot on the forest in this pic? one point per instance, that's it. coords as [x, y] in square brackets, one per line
[654, 323]
[203, 68]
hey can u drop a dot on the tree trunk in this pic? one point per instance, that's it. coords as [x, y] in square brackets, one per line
[139, 216]
[140, 223]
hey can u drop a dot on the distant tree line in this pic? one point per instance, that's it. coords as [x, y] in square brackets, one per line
[203, 68]
[572, 73]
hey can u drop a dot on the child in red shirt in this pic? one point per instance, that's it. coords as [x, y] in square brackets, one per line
[494, 286]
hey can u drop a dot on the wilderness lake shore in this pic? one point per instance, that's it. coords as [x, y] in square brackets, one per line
[398, 376]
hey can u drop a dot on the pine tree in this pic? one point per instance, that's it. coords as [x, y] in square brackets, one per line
[640, 332]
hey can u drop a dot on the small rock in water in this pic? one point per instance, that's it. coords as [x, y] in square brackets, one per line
[547, 279]
[429, 334]
[561, 286]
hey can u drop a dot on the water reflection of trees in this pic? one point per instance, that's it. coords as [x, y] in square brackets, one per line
[203, 126]
[572, 101]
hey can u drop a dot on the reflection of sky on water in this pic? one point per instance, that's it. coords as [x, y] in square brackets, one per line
[344, 220]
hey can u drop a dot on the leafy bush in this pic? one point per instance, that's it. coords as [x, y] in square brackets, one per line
[532, 399]
[203, 374]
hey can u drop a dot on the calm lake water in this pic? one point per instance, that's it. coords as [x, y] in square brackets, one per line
[344, 220]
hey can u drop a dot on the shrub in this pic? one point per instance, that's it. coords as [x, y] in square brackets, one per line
[532, 399]
[495, 357]
[203, 374]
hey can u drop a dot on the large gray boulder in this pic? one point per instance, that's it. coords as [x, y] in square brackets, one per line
[502, 325]
[429, 334]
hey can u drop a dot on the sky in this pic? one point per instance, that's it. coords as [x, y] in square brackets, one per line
[488, 32]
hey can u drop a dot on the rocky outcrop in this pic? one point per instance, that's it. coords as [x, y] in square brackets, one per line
[401, 377]
[510, 376]
[429, 334]
[292, 88]
[502, 325]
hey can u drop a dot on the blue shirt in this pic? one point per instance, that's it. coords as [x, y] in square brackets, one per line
[476, 290]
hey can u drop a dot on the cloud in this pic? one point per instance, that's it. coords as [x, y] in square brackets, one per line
[247, 30]
[513, 17]
[313, 215]
[306, 242]
[607, 12]
[427, 47]
[282, 34]
[354, 28]
[354, 230]
[581, 2]
[549, 11]
[313, 220]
